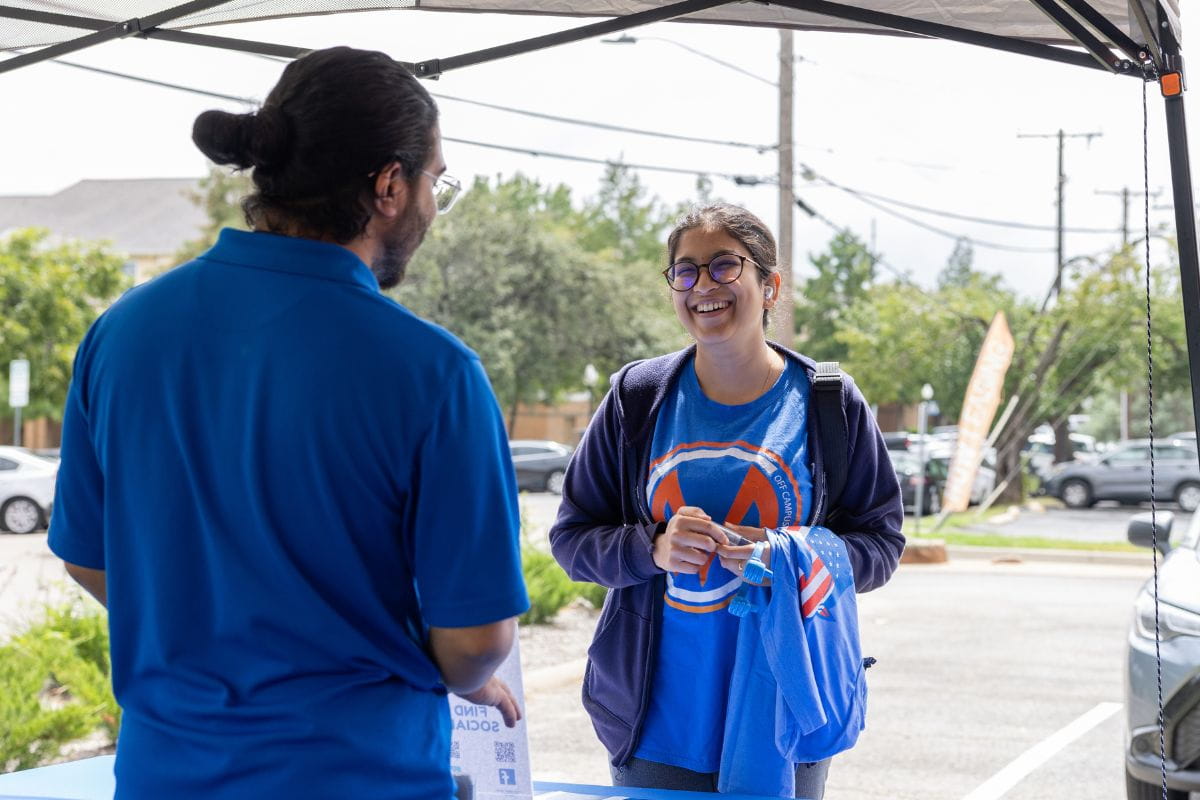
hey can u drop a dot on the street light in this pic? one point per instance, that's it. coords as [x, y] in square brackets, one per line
[784, 307]
[627, 39]
[922, 414]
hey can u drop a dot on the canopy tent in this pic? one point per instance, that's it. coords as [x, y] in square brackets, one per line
[1137, 38]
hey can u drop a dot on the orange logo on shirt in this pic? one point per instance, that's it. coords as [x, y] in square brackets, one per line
[768, 487]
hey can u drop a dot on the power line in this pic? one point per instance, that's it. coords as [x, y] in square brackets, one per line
[761, 148]
[964, 217]
[740, 180]
[943, 232]
[153, 82]
[902, 276]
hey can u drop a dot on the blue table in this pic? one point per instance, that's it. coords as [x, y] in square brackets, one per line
[92, 779]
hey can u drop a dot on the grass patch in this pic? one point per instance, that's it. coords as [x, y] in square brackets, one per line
[977, 539]
[956, 531]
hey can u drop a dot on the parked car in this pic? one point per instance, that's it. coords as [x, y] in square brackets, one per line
[1179, 645]
[938, 452]
[985, 475]
[903, 440]
[26, 490]
[1124, 475]
[1184, 437]
[1039, 450]
[908, 472]
[540, 464]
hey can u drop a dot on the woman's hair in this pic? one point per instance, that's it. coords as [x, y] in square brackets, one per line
[335, 117]
[738, 223]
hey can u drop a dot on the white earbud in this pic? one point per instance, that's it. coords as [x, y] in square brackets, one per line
[769, 292]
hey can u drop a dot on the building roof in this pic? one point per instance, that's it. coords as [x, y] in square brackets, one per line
[139, 216]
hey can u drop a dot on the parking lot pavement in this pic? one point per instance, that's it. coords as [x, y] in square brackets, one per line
[1104, 522]
[982, 665]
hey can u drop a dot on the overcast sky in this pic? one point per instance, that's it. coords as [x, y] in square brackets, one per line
[928, 123]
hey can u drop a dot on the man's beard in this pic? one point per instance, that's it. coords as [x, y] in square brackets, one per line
[399, 244]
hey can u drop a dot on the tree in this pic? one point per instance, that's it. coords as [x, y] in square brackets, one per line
[220, 195]
[506, 272]
[844, 273]
[957, 271]
[898, 337]
[1091, 341]
[620, 219]
[49, 295]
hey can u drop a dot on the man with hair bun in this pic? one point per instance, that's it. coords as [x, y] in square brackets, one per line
[294, 496]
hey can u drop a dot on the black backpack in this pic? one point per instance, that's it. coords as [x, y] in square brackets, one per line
[831, 422]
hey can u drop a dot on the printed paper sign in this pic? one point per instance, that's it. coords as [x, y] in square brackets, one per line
[496, 758]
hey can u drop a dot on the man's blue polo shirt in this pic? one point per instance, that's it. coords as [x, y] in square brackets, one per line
[286, 477]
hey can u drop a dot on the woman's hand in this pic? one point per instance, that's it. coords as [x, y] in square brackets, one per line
[734, 557]
[688, 542]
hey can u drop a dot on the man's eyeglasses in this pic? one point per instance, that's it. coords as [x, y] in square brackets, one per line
[445, 191]
[682, 275]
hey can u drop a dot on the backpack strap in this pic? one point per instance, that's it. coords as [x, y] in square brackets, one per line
[831, 422]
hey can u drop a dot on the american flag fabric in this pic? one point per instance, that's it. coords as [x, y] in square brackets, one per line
[828, 570]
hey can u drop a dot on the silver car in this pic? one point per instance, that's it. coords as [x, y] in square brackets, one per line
[1124, 474]
[1179, 644]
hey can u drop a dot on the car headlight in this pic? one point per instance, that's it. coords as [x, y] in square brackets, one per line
[1172, 620]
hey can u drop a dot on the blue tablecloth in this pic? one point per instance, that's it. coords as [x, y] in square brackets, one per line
[92, 779]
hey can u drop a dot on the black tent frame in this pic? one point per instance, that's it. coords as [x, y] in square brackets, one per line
[1158, 57]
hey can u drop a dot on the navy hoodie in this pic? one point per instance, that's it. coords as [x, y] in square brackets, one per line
[604, 532]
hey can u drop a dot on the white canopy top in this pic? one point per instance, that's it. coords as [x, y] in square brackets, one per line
[1019, 19]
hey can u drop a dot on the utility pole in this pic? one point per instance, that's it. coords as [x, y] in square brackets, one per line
[1124, 194]
[785, 308]
[1062, 182]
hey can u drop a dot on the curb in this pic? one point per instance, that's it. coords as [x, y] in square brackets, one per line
[1049, 555]
[557, 676]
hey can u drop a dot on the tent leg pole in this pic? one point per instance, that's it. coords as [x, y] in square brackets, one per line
[1185, 226]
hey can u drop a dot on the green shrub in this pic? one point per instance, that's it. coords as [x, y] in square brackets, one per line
[593, 593]
[549, 587]
[54, 686]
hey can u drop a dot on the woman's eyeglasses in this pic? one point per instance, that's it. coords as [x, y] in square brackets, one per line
[682, 275]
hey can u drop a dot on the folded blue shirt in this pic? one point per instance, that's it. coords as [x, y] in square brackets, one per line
[798, 693]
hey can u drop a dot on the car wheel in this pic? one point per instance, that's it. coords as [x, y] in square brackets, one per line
[1139, 790]
[1077, 494]
[554, 481]
[21, 515]
[934, 504]
[1188, 496]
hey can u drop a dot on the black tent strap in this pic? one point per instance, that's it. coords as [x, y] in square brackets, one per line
[146, 27]
[950, 33]
[1076, 30]
[437, 66]
[229, 43]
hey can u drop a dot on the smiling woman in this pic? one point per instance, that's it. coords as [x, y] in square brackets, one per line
[723, 440]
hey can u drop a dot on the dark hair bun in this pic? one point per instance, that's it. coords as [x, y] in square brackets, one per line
[243, 140]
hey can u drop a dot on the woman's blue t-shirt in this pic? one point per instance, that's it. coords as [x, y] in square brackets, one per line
[744, 465]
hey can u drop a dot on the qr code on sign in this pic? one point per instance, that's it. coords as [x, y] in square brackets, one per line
[455, 751]
[506, 752]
